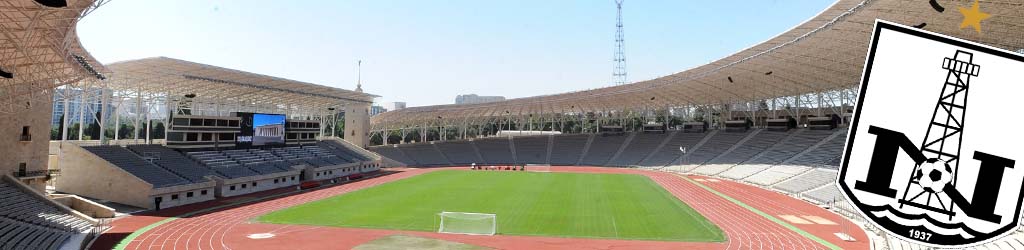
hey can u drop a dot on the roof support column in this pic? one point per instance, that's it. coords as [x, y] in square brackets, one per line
[81, 113]
[820, 106]
[104, 101]
[167, 121]
[149, 122]
[138, 114]
[65, 121]
[117, 118]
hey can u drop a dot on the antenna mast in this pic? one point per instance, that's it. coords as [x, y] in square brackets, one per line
[619, 73]
[359, 76]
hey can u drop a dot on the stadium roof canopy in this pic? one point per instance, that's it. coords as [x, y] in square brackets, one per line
[175, 77]
[40, 50]
[825, 53]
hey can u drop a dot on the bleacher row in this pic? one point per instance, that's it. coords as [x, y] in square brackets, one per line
[28, 222]
[723, 148]
[164, 167]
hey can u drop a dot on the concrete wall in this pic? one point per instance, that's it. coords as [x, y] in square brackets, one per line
[86, 174]
[87, 207]
[331, 172]
[37, 115]
[252, 184]
[180, 195]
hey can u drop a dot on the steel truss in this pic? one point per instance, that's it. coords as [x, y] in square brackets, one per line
[837, 102]
[39, 47]
[806, 71]
[144, 92]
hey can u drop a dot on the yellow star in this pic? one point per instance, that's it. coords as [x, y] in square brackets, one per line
[973, 17]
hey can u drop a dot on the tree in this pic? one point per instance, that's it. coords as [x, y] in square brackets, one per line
[126, 131]
[394, 137]
[158, 131]
[412, 135]
[376, 139]
[339, 129]
[92, 132]
[60, 129]
[73, 131]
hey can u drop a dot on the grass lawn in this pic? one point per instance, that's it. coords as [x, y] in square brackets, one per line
[617, 206]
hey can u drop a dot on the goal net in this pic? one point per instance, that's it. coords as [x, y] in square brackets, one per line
[468, 223]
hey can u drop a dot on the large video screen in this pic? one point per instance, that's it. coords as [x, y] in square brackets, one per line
[267, 129]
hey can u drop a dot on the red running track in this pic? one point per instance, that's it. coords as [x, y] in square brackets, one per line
[228, 228]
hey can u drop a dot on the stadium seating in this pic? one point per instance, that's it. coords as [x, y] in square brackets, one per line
[811, 179]
[424, 154]
[792, 145]
[776, 174]
[826, 155]
[716, 145]
[28, 222]
[132, 163]
[459, 153]
[638, 149]
[175, 162]
[495, 150]
[669, 153]
[825, 194]
[743, 171]
[393, 153]
[343, 151]
[531, 149]
[270, 167]
[750, 154]
[711, 169]
[755, 145]
[567, 149]
[230, 164]
[602, 149]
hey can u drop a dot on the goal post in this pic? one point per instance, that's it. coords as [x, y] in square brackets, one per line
[468, 223]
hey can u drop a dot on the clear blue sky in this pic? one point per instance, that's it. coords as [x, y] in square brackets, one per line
[427, 52]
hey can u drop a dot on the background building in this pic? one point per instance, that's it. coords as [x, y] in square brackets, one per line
[74, 103]
[392, 106]
[377, 109]
[473, 98]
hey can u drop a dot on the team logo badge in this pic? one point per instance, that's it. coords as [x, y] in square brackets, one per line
[932, 146]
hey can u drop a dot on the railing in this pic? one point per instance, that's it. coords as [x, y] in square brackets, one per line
[101, 226]
[37, 173]
[26, 138]
[151, 156]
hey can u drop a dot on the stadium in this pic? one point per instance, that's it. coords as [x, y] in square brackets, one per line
[163, 153]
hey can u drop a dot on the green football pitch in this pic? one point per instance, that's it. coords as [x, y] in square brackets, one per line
[614, 206]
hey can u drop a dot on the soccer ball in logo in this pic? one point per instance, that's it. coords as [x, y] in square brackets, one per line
[933, 175]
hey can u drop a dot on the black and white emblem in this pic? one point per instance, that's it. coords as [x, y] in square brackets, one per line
[932, 146]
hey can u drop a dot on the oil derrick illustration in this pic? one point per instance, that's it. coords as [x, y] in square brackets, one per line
[931, 184]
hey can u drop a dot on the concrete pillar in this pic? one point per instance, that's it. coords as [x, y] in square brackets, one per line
[357, 124]
[81, 113]
[104, 101]
[64, 131]
[33, 152]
